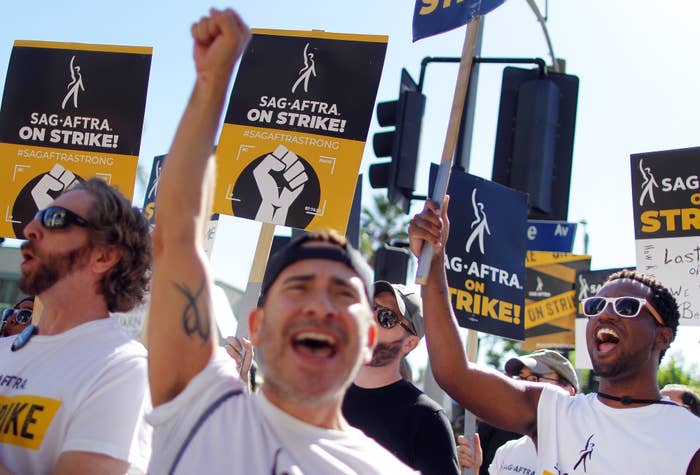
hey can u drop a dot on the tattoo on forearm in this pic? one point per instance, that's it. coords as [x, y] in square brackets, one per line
[195, 318]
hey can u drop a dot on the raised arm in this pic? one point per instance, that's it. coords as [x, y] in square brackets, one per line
[501, 401]
[180, 323]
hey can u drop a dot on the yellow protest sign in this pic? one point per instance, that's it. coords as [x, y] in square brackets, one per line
[294, 133]
[70, 111]
[550, 304]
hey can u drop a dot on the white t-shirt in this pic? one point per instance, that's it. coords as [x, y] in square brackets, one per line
[580, 434]
[81, 390]
[517, 456]
[214, 426]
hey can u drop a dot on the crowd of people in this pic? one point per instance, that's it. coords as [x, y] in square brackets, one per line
[80, 396]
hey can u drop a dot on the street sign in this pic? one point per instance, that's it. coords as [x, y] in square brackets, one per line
[553, 236]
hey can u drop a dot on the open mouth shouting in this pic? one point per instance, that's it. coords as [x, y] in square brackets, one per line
[314, 344]
[606, 339]
[27, 255]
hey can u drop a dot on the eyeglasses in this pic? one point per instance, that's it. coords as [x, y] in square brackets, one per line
[57, 217]
[387, 318]
[627, 307]
[22, 316]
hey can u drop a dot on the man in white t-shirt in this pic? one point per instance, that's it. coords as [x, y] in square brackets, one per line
[519, 456]
[312, 329]
[625, 428]
[73, 391]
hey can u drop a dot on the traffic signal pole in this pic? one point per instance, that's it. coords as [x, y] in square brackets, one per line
[466, 128]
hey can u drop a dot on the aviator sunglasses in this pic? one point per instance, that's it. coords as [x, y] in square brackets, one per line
[57, 217]
[627, 307]
[22, 316]
[387, 318]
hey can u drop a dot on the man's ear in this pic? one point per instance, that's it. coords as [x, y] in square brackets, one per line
[664, 337]
[103, 258]
[372, 335]
[410, 344]
[255, 324]
[371, 342]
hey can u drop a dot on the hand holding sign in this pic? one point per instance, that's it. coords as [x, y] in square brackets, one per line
[276, 200]
[430, 226]
[57, 180]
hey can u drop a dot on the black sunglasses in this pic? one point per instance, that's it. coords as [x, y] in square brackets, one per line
[22, 315]
[387, 318]
[57, 217]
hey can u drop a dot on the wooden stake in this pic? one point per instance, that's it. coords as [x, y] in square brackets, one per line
[252, 291]
[465, 66]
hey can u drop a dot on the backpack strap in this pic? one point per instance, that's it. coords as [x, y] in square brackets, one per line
[202, 419]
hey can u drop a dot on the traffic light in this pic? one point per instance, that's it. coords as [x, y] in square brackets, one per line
[391, 264]
[398, 176]
[535, 138]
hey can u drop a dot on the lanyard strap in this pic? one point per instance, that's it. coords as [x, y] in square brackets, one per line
[626, 400]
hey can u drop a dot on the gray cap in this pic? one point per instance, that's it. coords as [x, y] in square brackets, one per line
[409, 302]
[542, 362]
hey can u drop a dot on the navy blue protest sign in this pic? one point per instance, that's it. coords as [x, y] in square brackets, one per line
[485, 254]
[553, 236]
[149, 200]
[431, 17]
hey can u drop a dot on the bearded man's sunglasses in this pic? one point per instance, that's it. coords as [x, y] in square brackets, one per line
[57, 217]
[387, 318]
[626, 307]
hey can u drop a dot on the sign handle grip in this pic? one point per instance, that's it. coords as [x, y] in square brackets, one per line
[426, 255]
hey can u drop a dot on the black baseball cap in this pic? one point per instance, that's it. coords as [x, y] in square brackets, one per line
[295, 250]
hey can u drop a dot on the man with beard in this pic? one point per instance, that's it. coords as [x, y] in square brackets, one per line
[74, 385]
[390, 409]
[627, 427]
[312, 328]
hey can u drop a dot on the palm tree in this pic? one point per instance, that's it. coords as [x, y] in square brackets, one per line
[381, 223]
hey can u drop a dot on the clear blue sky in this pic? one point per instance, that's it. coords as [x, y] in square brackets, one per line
[637, 63]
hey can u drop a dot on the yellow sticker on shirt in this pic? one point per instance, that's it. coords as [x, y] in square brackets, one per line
[25, 419]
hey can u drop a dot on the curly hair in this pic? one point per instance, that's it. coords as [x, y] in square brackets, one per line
[661, 298]
[114, 222]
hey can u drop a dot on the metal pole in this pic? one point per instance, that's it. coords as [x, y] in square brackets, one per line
[466, 127]
[543, 23]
